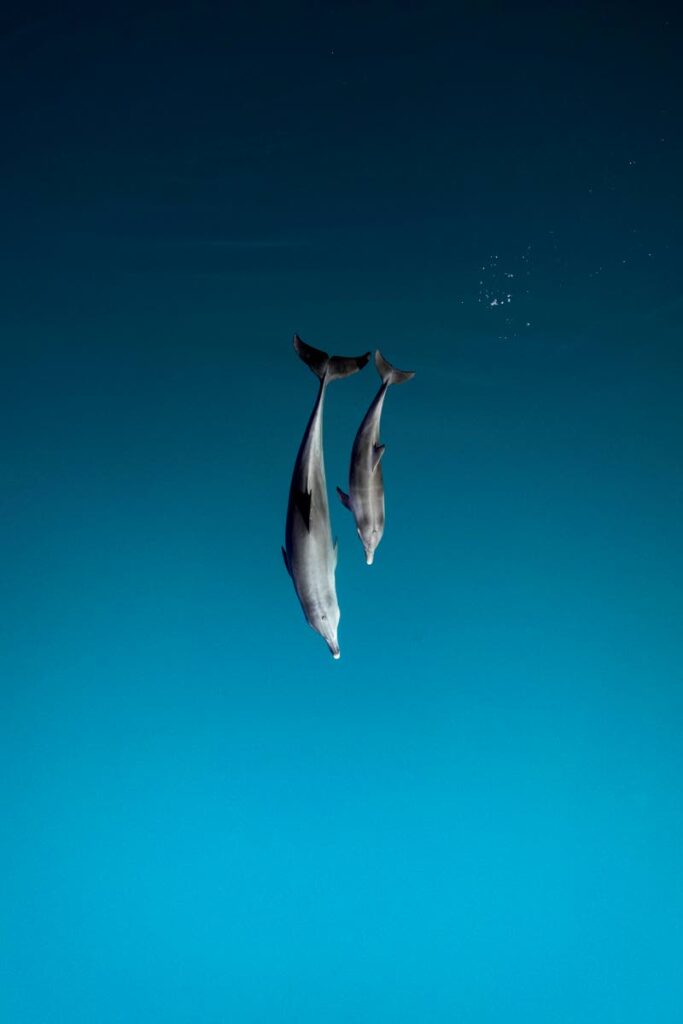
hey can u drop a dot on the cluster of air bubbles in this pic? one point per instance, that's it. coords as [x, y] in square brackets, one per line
[500, 284]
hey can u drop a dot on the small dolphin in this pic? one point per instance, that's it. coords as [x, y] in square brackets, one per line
[366, 486]
[309, 554]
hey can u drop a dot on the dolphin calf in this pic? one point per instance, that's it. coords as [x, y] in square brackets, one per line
[366, 486]
[309, 554]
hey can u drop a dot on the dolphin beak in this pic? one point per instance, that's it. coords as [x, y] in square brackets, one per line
[369, 557]
[334, 649]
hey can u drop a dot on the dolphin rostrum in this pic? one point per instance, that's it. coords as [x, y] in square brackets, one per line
[366, 486]
[310, 556]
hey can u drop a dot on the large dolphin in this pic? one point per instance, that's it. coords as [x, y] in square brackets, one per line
[366, 486]
[310, 556]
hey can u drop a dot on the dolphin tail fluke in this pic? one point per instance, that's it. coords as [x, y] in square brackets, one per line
[343, 366]
[328, 367]
[389, 373]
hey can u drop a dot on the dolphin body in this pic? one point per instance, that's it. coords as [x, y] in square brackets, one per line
[309, 554]
[366, 486]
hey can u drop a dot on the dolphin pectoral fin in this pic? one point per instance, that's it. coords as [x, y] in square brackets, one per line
[344, 498]
[377, 453]
[302, 500]
[287, 565]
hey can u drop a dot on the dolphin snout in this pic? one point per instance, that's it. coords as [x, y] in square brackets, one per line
[369, 557]
[334, 649]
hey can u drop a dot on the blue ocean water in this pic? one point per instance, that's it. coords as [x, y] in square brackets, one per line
[475, 815]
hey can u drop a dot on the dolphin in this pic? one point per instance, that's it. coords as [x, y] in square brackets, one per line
[366, 486]
[309, 554]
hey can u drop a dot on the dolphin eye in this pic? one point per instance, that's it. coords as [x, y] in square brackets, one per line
[323, 616]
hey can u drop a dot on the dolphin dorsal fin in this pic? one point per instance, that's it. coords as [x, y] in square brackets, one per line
[377, 453]
[302, 500]
[344, 498]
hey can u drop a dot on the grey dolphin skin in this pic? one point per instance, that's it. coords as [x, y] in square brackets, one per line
[309, 554]
[366, 486]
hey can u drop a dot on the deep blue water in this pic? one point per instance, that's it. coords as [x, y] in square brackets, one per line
[475, 815]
